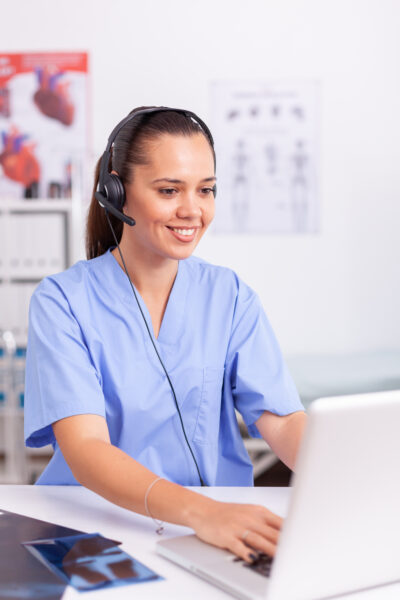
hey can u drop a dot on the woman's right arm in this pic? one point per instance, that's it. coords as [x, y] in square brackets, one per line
[105, 469]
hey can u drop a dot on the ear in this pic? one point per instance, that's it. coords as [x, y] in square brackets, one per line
[114, 173]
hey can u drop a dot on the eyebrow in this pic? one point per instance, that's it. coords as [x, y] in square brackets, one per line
[179, 180]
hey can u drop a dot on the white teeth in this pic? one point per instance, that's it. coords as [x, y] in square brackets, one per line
[183, 231]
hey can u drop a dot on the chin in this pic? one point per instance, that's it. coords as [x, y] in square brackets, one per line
[182, 254]
[177, 253]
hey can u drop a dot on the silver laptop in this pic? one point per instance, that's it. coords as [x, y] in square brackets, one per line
[342, 531]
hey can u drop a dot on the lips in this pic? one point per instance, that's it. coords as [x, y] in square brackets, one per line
[183, 231]
[183, 234]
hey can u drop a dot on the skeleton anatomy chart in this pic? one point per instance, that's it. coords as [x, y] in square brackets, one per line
[267, 156]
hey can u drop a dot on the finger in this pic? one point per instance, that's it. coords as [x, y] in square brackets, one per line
[269, 517]
[257, 542]
[273, 520]
[240, 549]
[269, 533]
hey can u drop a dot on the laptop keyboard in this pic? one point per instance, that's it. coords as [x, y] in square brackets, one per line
[261, 565]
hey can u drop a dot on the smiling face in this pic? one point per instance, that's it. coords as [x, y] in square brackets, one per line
[171, 197]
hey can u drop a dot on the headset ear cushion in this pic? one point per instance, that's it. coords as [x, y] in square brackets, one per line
[115, 191]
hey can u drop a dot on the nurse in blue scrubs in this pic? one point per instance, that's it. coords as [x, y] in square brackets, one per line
[98, 358]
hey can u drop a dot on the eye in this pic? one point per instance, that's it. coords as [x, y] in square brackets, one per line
[167, 191]
[207, 190]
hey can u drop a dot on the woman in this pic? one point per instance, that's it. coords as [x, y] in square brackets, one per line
[137, 391]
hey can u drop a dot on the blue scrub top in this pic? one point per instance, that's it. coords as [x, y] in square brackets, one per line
[89, 353]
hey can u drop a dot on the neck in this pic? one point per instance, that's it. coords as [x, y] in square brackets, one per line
[151, 274]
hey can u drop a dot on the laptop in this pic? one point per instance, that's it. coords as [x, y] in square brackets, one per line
[342, 530]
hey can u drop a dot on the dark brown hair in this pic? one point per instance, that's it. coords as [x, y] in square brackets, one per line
[129, 149]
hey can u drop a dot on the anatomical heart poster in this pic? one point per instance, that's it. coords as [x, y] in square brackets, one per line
[43, 124]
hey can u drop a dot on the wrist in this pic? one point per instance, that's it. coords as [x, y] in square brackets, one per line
[196, 509]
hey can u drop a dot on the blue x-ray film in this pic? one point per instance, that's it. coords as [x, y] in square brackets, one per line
[21, 575]
[90, 561]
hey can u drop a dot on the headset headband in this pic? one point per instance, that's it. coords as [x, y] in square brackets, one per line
[105, 159]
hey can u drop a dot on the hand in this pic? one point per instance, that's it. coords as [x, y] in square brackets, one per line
[243, 529]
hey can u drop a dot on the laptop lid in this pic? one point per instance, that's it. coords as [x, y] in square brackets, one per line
[342, 531]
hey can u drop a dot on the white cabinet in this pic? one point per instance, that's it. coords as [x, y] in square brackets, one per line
[37, 238]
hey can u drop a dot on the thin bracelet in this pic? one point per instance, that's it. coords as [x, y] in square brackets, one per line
[160, 524]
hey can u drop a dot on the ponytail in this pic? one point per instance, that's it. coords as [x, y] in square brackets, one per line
[98, 233]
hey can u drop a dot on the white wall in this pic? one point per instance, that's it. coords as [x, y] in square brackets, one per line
[336, 291]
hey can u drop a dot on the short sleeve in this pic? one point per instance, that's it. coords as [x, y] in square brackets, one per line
[60, 378]
[258, 377]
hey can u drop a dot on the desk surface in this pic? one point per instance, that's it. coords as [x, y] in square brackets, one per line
[78, 508]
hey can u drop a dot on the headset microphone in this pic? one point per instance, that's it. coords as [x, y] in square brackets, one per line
[102, 200]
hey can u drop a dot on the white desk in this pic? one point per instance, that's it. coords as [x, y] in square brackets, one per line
[81, 509]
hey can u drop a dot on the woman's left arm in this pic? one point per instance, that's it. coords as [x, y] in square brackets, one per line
[283, 434]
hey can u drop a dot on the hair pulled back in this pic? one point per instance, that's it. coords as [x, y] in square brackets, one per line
[130, 149]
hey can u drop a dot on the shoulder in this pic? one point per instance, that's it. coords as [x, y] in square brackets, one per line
[219, 277]
[73, 281]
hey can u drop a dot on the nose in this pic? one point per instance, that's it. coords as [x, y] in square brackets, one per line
[189, 206]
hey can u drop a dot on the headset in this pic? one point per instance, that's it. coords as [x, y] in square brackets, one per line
[111, 192]
[110, 195]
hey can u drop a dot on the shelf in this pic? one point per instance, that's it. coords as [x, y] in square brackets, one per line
[36, 205]
[11, 412]
[31, 277]
[45, 451]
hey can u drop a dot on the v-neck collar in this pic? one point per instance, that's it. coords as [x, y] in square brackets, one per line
[172, 325]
